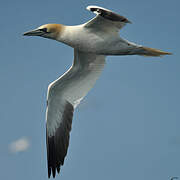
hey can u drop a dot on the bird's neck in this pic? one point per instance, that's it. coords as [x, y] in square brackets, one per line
[70, 35]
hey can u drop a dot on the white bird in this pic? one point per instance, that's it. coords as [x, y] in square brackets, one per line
[92, 42]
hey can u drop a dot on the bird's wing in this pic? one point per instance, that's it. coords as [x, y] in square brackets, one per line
[63, 96]
[106, 19]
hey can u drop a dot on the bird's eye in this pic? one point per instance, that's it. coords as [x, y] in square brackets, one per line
[44, 30]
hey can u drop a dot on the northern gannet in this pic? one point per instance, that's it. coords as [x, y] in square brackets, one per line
[92, 42]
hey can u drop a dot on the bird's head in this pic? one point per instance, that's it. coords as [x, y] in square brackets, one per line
[51, 31]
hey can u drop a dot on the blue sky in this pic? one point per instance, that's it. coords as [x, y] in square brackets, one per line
[128, 125]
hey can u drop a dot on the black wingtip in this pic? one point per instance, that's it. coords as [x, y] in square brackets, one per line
[58, 169]
[54, 172]
[49, 172]
[57, 144]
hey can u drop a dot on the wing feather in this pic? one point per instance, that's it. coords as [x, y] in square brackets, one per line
[63, 95]
[57, 144]
[106, 19]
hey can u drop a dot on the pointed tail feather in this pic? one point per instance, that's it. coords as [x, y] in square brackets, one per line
[146, 51]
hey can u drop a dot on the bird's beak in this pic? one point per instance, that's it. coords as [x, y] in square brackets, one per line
[35, 32]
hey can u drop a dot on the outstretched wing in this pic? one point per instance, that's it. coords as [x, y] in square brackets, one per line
[58, 127]
[63, 96]
[106, 19]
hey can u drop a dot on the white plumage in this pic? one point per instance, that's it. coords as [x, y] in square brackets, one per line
[92, 42]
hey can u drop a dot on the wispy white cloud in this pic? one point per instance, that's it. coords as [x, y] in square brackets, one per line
[19, 145]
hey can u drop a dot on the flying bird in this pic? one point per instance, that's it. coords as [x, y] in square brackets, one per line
[92, 42]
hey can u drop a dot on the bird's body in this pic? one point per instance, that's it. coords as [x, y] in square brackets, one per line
[92, 42]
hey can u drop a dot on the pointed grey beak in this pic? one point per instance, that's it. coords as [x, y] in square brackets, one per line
[35, 32]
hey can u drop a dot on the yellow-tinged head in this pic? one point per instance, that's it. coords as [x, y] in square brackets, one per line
[52, 31]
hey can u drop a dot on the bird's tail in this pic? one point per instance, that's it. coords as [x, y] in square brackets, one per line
[146, 51]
